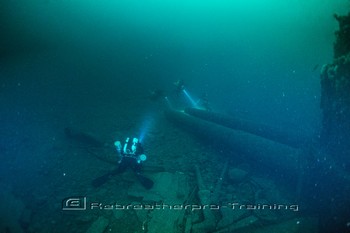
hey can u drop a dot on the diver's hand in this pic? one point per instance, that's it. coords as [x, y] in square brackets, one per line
[118, 146]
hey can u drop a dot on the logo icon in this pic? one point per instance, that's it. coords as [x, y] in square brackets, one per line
[74, 203]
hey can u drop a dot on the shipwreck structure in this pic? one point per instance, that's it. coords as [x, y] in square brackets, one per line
[335, 97]
[320, 168]
[272, 154]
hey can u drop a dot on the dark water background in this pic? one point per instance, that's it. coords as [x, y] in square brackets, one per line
[250, 53]
[82, 62]
[251, 57]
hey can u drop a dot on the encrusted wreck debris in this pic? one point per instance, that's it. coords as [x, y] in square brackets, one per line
[163, 203]
[173, 206]
[204, 195]
[243, 206]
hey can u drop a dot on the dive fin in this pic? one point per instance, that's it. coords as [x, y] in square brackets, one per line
[99, 181]
[146, 182]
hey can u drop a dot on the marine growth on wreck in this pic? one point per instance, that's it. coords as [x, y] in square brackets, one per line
[335, 96]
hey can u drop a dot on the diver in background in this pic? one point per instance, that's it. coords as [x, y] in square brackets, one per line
[180, 86]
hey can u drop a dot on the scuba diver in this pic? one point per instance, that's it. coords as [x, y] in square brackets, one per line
[131, 155]
[180, 86]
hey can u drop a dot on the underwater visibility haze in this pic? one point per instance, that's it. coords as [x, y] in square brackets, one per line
[224, 97]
